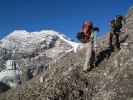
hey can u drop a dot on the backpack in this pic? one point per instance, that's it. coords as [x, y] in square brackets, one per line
[85, 34]
[81, 37]
[116, 24]
[112, 24]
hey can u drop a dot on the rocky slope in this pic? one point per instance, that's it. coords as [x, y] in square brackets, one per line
[112, 79]
[31, 52]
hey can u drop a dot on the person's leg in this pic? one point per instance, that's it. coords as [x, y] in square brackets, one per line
[88, 55]
[117, 42]
[110, 39]
[93, 56]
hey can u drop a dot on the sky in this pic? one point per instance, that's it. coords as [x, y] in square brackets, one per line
[64, 16]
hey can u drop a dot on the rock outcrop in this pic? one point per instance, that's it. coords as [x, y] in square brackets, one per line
[11, 74]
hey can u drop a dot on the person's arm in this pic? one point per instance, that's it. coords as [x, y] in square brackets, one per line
[95, 36]
[124, 20]
[96, 29]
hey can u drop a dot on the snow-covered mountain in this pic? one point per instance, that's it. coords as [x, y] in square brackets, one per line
[33, 51]
[27, 42]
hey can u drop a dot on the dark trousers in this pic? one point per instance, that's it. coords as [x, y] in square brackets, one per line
[117, 42]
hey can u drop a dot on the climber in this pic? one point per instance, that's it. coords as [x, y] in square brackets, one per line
[87, 37]
[116, 26]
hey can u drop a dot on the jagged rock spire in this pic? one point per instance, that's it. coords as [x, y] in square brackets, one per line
[129, 24]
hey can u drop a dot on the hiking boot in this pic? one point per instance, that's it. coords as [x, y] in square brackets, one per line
[93, 65]
[111, 48]
[86, 68]
[89, 67]
[117, 49]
